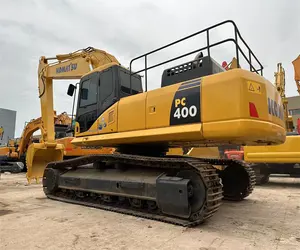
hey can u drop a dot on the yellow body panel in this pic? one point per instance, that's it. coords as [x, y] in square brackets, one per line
[175, 151]
[224, 115]
[132, 113]
[158, 106]
[6, 151]
[169, 134]
[205, 152]
[71, 150]
[227, 112]
[288, 152]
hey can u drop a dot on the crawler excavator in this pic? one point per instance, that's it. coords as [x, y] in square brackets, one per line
[198, 104]
[284, 158]
[12, 156]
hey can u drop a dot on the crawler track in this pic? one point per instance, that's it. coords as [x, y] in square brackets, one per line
[203, 169]
[12, 167]
[240, 174]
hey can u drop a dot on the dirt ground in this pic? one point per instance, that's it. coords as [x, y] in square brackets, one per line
[268, 219]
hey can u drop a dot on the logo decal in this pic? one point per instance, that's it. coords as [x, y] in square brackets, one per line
[275, 109]
[186, 104]
[70, 67]
[102, 124]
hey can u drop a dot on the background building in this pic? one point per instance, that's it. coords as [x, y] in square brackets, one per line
[7, 125]
[294, 108]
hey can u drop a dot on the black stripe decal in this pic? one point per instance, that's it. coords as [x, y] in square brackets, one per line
[189, 82]
[190, 85]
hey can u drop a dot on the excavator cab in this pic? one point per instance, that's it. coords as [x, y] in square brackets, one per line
[112, 84]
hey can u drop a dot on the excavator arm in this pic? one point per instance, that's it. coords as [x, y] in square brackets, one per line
[296, 64]
[280, 86]
[280, 80]
[64, 66]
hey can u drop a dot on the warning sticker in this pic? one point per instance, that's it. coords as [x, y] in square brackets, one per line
[254, 87]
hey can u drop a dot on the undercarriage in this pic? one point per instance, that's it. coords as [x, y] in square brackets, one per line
[13, 166]
[178, 190]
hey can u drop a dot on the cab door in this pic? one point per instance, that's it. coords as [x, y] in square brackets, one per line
[87, 111]
[107, 90]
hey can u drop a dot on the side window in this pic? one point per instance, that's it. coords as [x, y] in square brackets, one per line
[91, 89]
[106, 85]
[125, 83]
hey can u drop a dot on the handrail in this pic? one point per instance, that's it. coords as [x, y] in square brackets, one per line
[237, 35]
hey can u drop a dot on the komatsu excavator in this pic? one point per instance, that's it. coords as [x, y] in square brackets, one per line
[198, 104]
[284, 158]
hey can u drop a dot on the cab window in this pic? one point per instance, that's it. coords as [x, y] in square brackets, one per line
[90, 87]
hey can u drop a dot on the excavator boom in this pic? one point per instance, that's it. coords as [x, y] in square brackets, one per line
[74, 65]
[280, 85]
[296, 64]
[64, 66]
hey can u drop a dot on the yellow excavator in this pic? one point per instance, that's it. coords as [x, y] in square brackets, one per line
[198, 104]
[280, 85]
[1, 132]
[278, 159]
[12, 157]
[296, 64]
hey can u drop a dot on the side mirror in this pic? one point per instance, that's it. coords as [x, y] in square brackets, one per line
[84, 93]
[71, 89]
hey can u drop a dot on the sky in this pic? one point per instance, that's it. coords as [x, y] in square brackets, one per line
[30, 29]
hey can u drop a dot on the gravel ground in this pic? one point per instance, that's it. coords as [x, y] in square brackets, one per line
[268, 219]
